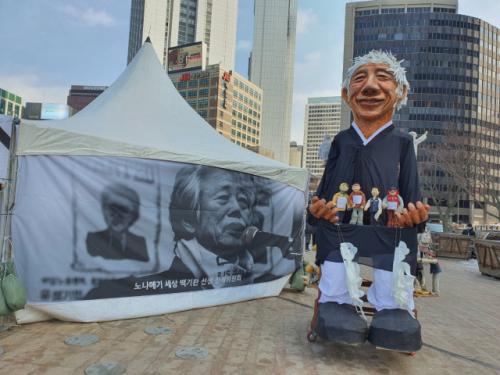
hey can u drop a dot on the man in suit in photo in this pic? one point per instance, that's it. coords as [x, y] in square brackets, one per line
[120, 208]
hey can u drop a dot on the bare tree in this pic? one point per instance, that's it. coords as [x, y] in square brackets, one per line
[480, 170]
[440, 180]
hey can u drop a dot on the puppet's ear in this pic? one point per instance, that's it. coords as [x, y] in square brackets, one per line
[345, 96]
[405, 90]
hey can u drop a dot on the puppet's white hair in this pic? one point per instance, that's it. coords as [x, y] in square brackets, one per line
[379, 57]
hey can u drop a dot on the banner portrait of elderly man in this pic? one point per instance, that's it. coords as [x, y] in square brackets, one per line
[209, 211]
[373, 153]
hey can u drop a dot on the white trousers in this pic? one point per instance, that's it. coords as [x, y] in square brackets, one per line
[333, 287]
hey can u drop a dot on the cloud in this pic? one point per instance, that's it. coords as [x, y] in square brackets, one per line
[304, 19]
[244, 45]
[318, 74]
[89, 17]
[29, 87]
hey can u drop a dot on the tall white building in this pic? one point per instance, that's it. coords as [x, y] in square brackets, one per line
[170, 23]
[322, 117]
[271, 68]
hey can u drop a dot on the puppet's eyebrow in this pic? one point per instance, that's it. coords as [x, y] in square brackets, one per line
[384, 70]
[359, 72]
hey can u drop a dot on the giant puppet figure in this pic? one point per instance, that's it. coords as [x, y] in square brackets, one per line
[372, 153]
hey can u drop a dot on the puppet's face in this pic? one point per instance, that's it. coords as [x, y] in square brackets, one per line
[344, 187]
[375, 192]
[393, 192]
[372, 92]
[356, 188]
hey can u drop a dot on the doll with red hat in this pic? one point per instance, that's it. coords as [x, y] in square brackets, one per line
[393, 203]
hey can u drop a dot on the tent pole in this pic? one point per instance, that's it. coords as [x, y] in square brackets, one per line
[7, 196]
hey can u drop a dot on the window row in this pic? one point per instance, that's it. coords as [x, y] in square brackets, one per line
[441, 77]
[424, 22]
[422, 49]
[440, 64]
[443, 91]
[243, 144]
[416, 36]
[442, 118]
[244, 127]
[245, 99]
[244, 136]
[244, 108]
[389, 23]
[449, 105]
[245, 118]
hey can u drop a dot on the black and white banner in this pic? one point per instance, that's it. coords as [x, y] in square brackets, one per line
[88, 227]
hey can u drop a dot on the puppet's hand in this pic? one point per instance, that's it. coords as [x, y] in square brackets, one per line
[413, 216]
[320, 209]
[384, 206]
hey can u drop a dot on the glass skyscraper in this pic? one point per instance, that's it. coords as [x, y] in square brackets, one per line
[170, 23]
[452, 62]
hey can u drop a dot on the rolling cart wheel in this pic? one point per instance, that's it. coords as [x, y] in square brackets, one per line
[413, 354]
[311, 336]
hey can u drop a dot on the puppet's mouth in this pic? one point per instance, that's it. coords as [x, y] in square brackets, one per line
[370, 102]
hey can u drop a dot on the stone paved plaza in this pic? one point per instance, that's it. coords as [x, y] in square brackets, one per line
[460, 329]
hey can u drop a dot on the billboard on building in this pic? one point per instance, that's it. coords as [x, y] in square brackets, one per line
[186, 57]
[52, 111]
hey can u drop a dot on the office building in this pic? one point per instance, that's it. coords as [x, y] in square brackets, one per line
[452, 61]
[81, 96]
[271, 69]
[295, 155]
[10, 104]
[262, 151]
[170, 23]
[47, 111]
[228, 102]
[322, 117]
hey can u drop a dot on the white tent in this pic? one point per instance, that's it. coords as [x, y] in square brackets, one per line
[141, 115]
[140, 125]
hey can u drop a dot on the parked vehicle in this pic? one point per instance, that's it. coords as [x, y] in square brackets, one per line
[435, 227]
[488, 235]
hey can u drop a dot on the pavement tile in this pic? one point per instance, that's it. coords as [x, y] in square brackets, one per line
[268, 336]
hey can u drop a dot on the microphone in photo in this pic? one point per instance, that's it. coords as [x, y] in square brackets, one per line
[252, 237]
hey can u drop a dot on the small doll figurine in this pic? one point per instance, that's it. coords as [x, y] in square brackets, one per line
[435, 272]
[424, 241]
[357, 201]
[340, 201]
[374, 207]
[313, 274]
[393, 203]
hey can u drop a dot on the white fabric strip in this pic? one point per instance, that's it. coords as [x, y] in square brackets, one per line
[353, 280]
[333, 283]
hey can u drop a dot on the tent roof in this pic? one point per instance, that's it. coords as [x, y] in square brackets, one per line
[141, 115]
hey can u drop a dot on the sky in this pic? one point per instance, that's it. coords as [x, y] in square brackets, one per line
[48, 45]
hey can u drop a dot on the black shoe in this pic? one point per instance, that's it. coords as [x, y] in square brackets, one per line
[396, 330]
[340, 324]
